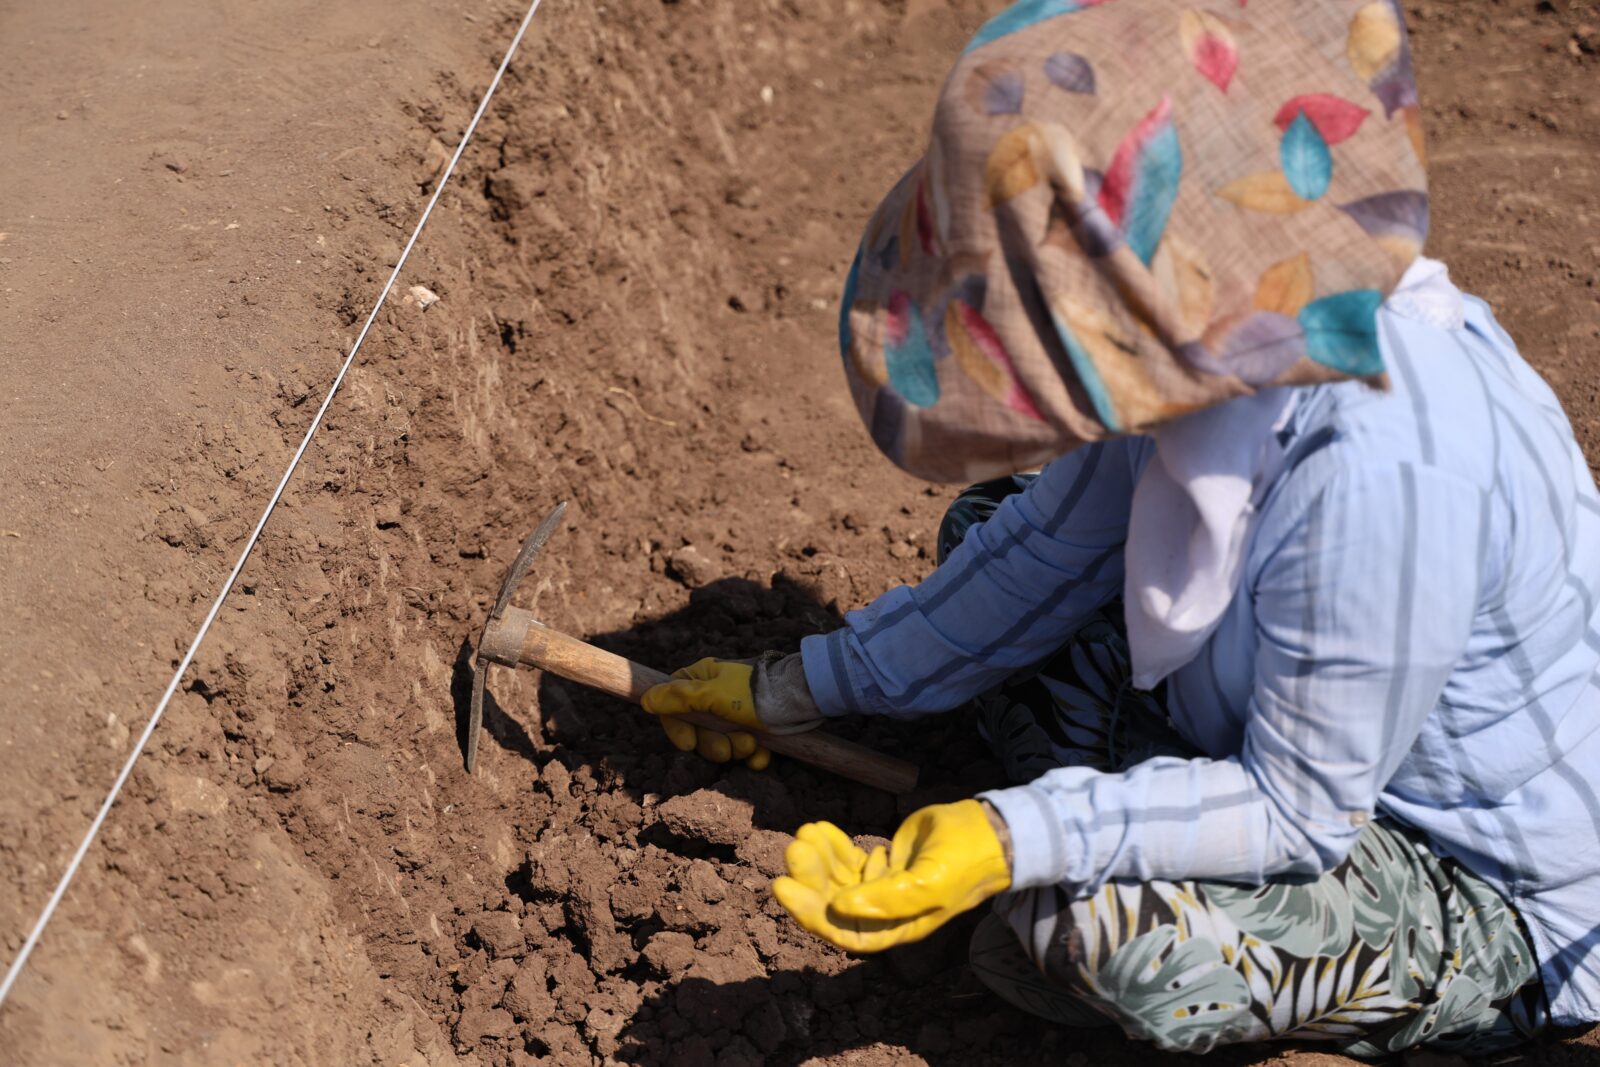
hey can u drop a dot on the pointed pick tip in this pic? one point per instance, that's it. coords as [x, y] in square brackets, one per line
[557, 513]
[475, 716]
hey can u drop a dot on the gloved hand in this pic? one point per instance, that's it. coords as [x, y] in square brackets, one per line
[944, 860]
[723, 688]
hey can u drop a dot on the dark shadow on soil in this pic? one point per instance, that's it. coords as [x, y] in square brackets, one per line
[796, 1017]
[920, 997]
[731, 618]
[499, 726]
[950, 1020]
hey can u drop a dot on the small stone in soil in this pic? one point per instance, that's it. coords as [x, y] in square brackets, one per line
[763, 934]
[287, 770]
[601, 1023]
[707, 815]
[527, 996]
[705, 883]
[479, 1024]
[556, 779]
[691, 567]
[419, 296]
[669, 953]
[500, 934]
[764, 850]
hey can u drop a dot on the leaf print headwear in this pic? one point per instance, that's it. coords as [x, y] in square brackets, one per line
[1131, 210]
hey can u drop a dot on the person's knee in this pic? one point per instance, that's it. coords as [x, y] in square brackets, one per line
[1178, 993]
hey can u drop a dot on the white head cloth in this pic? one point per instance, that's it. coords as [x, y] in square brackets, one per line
[1195, 507]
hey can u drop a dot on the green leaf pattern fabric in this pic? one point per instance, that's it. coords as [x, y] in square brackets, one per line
[1306, 920]
[1176, 993]
[1393, 949]
[1435, 958]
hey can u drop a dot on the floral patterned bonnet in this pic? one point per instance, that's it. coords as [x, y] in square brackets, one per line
[1131, 210]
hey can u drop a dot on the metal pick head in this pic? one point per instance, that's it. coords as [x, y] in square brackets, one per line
[480, 667]
[524, 560]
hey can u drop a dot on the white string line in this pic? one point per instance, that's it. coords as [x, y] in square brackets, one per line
[255, 535]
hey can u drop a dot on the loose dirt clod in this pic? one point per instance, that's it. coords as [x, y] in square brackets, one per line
[419, 296]
[707, 815]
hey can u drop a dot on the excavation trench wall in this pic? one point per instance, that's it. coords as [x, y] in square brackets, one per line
[637, 272]
[637, 289]
[638, 283]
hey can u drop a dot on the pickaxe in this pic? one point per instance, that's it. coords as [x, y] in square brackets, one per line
[514, 638]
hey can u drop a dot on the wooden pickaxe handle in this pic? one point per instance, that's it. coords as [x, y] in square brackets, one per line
[519, 638]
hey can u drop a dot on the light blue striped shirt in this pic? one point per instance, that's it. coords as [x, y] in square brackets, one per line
[1415, 635]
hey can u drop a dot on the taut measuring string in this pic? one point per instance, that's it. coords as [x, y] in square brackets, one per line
[250, 543]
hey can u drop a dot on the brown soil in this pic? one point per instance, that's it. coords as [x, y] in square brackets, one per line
[638, 265]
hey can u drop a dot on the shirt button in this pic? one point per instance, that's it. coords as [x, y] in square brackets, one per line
[1359, 818]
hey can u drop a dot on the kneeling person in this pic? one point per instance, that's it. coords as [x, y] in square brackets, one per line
[1289, 648]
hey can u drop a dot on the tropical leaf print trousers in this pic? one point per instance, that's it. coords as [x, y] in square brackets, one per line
[1395, 948]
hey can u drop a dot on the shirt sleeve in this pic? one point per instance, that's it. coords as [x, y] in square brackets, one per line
[1365, 584]
[1010, 594]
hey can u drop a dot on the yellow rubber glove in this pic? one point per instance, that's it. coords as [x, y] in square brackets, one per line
[944, 860]
[722, 688]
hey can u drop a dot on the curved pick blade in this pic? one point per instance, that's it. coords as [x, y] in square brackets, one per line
[524, 560]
